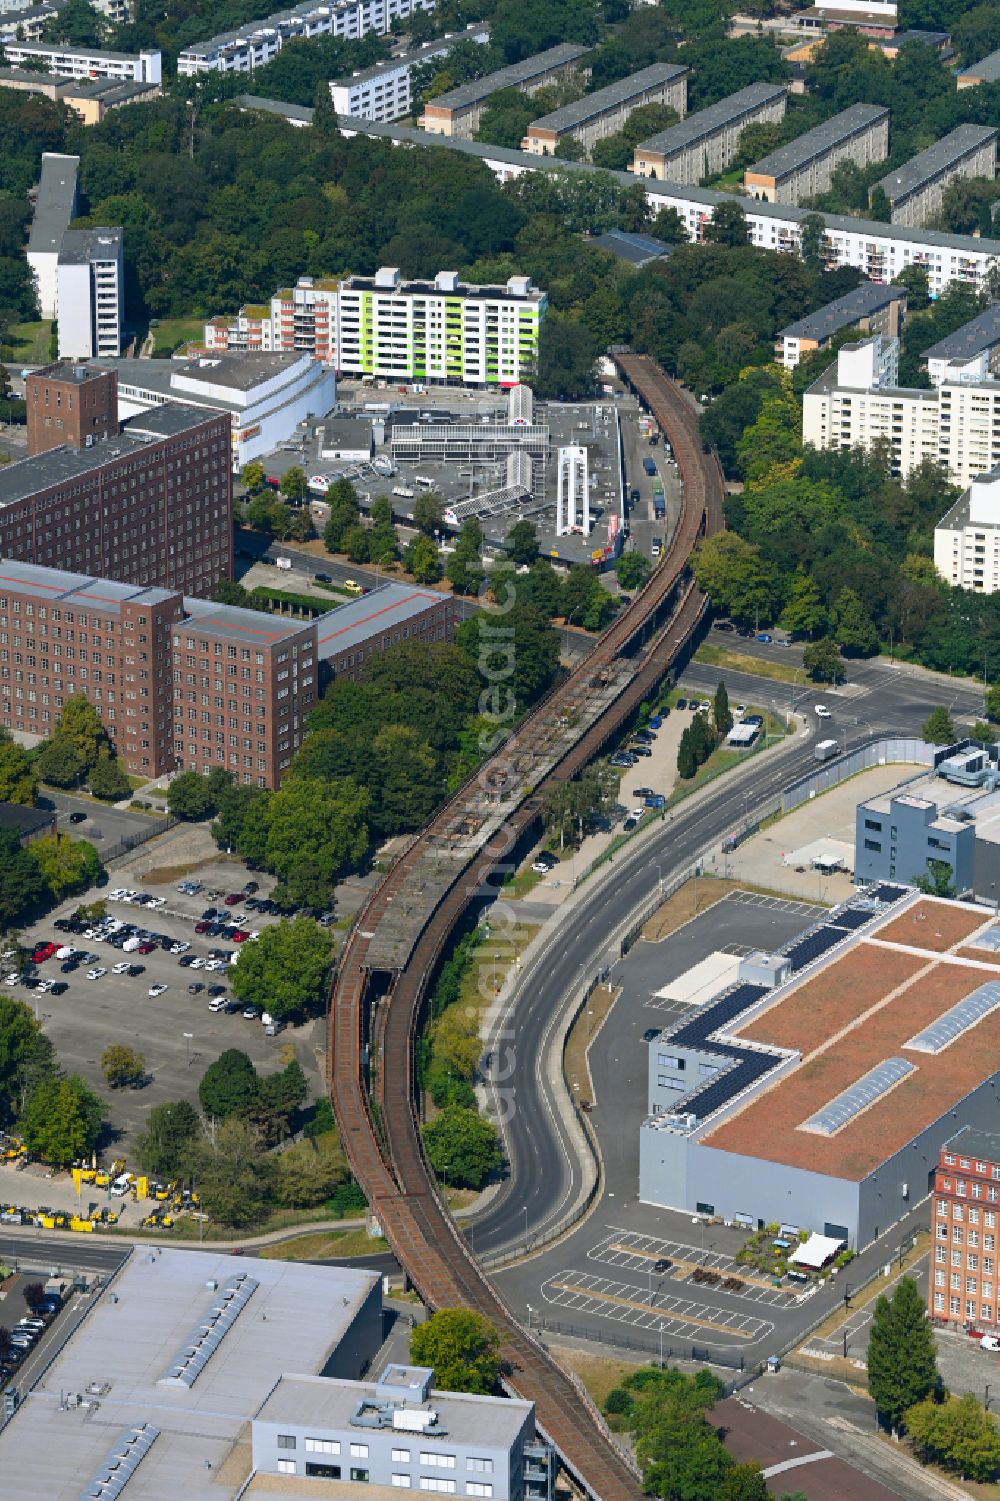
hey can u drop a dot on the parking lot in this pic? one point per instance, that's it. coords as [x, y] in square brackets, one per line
[102, 825]
[175, 1030]
[654, 1311]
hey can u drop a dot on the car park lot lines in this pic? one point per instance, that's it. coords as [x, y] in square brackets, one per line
[639, 1253]
[806, 910]
[626, 1303]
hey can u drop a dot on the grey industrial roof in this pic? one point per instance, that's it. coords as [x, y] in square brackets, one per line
[843, 312]
[324, 1403]
[927, 165]
[60, 466]
[638, 250]
[968, 1142]
[414, 56]
[820, 139]
[56, 201]
[75, 588]
[707, 197]
[987, 70]
[981, 332]
[618, 93]
[383, 609]
[513, 77]
[67, 370]
[241, 372]
[81, 246]
[936, 39]
[25, 820]
[706, 122]
[234, 623]
[300, 1312]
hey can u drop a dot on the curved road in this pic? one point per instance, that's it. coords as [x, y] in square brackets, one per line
[545, 1172]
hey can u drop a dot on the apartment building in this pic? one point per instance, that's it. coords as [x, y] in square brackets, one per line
[385, 91]
[857, 402]
[916, 190]
[151, 505]
[87, 62]
[70, 404]
[972, 349]
[259, 41]
[399, 1432]
[90, 293]
[967, 538]
[963, 1287]
[707, 142]
[870, 307]
[55, 206]
[874, 18]
[603, 113]
[458, 112]
[299, 318]
[445, 331]
[803, 167]
[987, 70]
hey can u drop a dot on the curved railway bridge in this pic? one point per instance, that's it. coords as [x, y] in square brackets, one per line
[392, 951]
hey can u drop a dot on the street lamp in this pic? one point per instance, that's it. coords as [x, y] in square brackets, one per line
[188, 1036]
[444, 1170]
[659, 879]
[530, 1312]
[525, 1207]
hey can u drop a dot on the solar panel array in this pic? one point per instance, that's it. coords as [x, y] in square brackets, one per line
[708, 1019]
[944, 1030]
[857, 1097]
[888, 894]
[208, 1335]
[120, 1465]
[813, 945]
[852, 917]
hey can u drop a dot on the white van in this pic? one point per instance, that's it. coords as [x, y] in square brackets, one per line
[424, 481]
[130, 945]
[121, 1186]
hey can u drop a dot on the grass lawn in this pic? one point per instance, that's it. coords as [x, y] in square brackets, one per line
[738, 661]
[325, 1243]
[599, 1373]
[491, 962]
[30, 341]
[523, 884]
[173, 331]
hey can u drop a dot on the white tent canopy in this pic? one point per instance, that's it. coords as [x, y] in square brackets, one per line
[816, 1252]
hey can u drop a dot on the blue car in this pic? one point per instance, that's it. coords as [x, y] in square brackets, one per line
[764, 638]
[656, 722]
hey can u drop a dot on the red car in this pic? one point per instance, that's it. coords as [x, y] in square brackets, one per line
[146, 948]
[240, 935]
[234, 898]
[202, 927]
[43, 952]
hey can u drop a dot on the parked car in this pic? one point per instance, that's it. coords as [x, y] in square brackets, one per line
[155, 990]
[77, 817]
[96, 973]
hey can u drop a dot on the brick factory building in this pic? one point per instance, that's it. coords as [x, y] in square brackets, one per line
[69, 403]
[962, 1285]
[816, 1091]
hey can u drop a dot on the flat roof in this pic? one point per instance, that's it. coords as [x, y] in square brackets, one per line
[615, 94]
[927, 790]
[637, 249]
[413, 56]
[819, 140]
[116, 1357]
[848, 1017]
[707, 197]
[55, 203]
[926, 165]
[383, 609]
[235, 623]
[60, 466]
[49, 49]
[470, 290]
[972, 1143]
[76, 372]
[843, 312]
[81, 246]
[716, 117]
[81, 589]
[326, 1403]
[476, 89]
[987, 70]
[981, 332]
[16, 816]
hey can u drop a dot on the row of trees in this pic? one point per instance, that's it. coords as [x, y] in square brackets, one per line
[58, 1116]
[702, 735]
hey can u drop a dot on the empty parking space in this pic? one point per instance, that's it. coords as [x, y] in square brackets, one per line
[632, 1304]
[806, 910]
[696, 1266]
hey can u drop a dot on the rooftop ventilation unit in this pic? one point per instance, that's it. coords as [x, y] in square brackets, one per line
[121, 1464]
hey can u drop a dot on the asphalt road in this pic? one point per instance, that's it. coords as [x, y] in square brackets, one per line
[40, 1249]
[544, 1172]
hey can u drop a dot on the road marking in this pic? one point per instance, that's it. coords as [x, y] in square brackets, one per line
[793, 1464]
[691, 1266]
[654, 1314]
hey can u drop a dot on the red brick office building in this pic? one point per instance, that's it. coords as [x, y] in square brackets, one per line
[963, 1285]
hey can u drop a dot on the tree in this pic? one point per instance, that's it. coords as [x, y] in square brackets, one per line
[18, 782]
[728, 224]
[811, 241]
[428, 511]
[61, 1120]
[804, 613]
[25, 1052]
[957, 1433]
[633, 569]
[669, 227]
[939, 729]
[822, 661]
[722, 714]
[60, 763]
[286, 971]
[122, 1066]
[355, 542]
[461, 1347]
[76, 25]
[309, 834]
[917, 283]
[993, 704]
[188, 796]
[566, 358]
[233, 809]
[235, 1179]
[253, 476]
[163, 1147]
[310, 1171]
[938, 880]
[983, 733]
[21, 883]
[80, 725]
[521, 658]
[521, 545]
[229, 1085]
[735, 575]
[108, 780]
[465, 571]
[294, 485]
[65, 865]
[901, 1354]
[462, 1146]
[855, 631]
[421, 558]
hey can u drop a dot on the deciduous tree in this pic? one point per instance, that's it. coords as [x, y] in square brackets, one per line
[122, 1066]
[163, 1147]
[462, 1146]
[229, 1085]
[61, 1120]
[286, 971]
[939, 729]
[462, 1347]
[65, 865]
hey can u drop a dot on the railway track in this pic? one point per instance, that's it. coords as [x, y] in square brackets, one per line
[375, 1010]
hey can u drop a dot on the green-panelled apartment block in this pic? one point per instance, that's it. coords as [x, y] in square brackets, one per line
[440, 332]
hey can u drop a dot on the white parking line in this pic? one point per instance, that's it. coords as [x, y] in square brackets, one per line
[624, 1303]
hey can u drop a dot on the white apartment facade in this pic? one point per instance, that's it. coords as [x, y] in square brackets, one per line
[258, 42]
[856, 403]
[87, 62]
[967, 538]
[299, 318]
[385, 92]
[90, 294]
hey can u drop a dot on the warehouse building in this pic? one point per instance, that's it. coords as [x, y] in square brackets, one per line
[706, 142]
[987, 70]
[916, 190]
[459, 112]
[817, 1089]
[603, 113]
[872, 308]
[803, 167]
[972, 352]
[385, 92]
[260, 41]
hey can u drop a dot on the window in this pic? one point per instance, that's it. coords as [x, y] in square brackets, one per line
[440, 1461]
[286, 1467]
[322, 1446]
[479, 1488]
[480, 1466]
[402, 1482]
[322, 1471]
[286, 1440]
[401, 1456]
[432, 1483]
[359, 1451]
[358, 1474]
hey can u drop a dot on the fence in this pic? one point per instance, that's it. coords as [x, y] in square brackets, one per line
[874, 753]
[132, 841]
[659, 1350]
